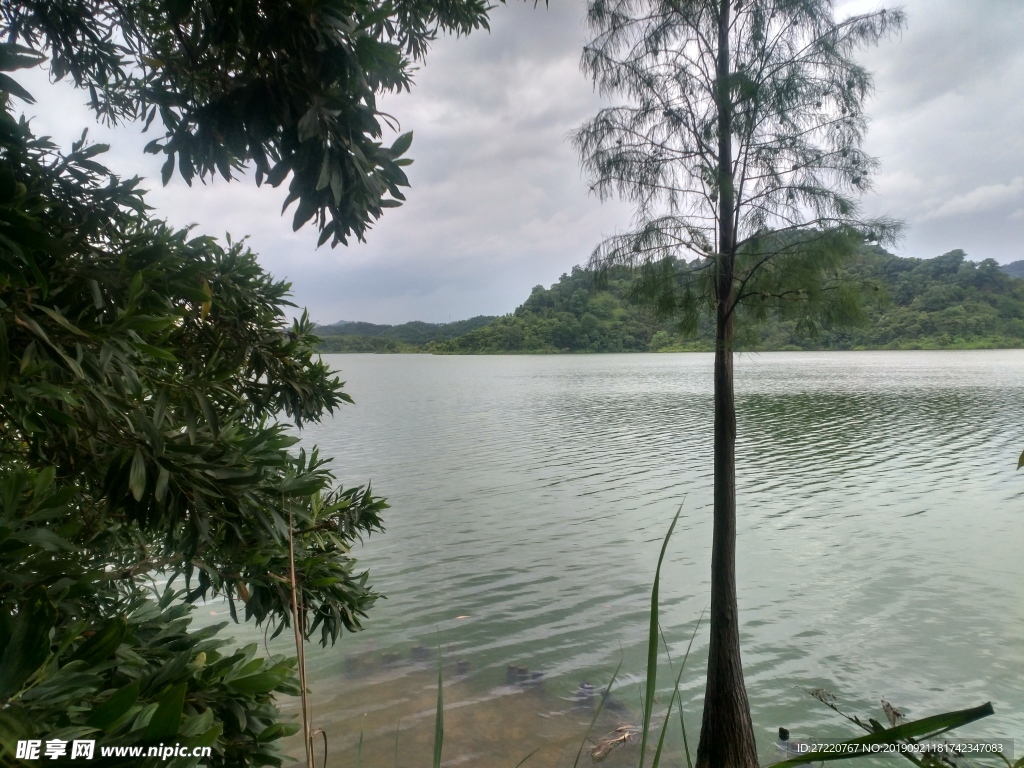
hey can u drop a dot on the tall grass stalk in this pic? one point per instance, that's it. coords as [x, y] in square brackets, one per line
[523, 761]
[676, 696]
[597, 712]
[439, 717]
[653, 635]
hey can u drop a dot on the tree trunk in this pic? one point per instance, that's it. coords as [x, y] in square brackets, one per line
[726, 734]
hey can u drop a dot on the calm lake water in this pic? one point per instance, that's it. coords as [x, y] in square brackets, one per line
[881, 544]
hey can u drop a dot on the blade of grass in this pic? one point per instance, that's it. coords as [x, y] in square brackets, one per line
[682, 725]
[359, 750]
[652, 642]
[668, 712]
[597, 712]
[439, 717]
[676, 695]
[686, 744]
[323, 733]
[661, 738]
[523, 761]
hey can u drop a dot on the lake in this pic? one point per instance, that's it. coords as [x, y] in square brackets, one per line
[880, 544]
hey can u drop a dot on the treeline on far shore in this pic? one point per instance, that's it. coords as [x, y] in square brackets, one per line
[947, 302]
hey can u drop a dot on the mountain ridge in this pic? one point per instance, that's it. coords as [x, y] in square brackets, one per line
[947, 302]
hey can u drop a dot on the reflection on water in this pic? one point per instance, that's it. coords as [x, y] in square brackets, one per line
[879, 546]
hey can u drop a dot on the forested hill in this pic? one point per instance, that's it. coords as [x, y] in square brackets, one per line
[943, 303]
[408, 337]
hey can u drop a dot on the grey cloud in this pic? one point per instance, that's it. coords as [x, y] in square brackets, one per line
[498, 203]
[978, 200]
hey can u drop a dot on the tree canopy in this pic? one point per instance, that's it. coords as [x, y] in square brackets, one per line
[142, 371]
[150, 382]
[288, 87]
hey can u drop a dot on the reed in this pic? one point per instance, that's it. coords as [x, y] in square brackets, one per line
[597, 712]
[439, 717]
[653, 635]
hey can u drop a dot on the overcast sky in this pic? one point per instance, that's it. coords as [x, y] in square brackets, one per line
[498, 204]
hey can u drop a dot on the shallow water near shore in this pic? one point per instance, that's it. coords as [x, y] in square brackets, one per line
[880, 544]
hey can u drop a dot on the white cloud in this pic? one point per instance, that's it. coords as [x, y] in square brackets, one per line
[978, 200]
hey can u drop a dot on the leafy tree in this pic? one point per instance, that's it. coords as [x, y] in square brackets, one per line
[290, 87]
[739, 145]
[143, 370]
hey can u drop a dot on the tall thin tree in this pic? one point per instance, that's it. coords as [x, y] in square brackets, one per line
[740, 147]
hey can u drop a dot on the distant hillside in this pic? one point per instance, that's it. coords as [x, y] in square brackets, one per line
[943, 303]
[570, 316]
[349, 336]
[1014, 268]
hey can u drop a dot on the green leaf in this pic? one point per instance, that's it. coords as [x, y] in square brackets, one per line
[44, 539]
[157, 352]
[137, 476]
[197, 724]
[402, 144]
[61, 320]
[162, 478]
[30, 642]
[278, 731]
[114, 708]
[325, 173]
[1020, 461]
[262, 682]
[12, 86]
[208, 738]
[167, 718]
[13, 56]
[309, 124]
[136, 287]
[337, 183]
[167, 170]
[278, 173]
[304, 211]
[43, 482]
[304, 485]
[103, 643]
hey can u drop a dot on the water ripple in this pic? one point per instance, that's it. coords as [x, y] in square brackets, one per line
[879, 544]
